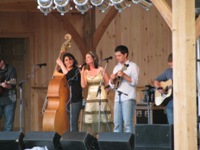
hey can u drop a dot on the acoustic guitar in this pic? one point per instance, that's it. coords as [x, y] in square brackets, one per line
[55, 116]
[118, 79]
[163, 99]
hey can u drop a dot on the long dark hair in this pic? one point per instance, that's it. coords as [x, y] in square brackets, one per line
[70, 56]
[95, 58]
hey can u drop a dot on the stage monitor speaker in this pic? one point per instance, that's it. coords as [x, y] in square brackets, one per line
[154, 137]
[12, 140]
[78, 141]
[41, 139]
[116, 141]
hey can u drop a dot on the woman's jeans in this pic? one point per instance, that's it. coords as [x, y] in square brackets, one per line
[75, 109]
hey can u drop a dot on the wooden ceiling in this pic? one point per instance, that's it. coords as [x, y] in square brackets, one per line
[18, 6]
[21, 6]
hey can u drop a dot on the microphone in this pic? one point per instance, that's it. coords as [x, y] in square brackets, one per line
[82, 65]
[107, 87]
[106, 59]
[40, 65]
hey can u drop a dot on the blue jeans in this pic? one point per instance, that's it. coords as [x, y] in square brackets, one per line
[75, 109]
[9, 113]
[169, 112]
[123, 116]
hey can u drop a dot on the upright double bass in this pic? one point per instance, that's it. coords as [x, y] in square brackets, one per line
[55, 116]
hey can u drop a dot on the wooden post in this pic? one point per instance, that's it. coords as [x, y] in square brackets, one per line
[184, 75]
[89, 29]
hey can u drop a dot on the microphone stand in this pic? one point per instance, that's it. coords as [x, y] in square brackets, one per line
[21, 93]
[99, 92]
[148, 97]
[148, 106]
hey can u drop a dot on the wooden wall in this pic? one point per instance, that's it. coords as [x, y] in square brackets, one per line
[145, 33]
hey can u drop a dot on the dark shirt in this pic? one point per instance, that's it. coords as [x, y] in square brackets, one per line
[8, 95]
[74, 81]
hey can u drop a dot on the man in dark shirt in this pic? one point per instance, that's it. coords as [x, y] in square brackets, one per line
[8, 98]
[166, 76]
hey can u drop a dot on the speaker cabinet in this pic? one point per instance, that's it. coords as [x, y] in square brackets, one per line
[116, 141]
[154, 137]
[78, 141]
[159, 117]
[11, 140]
[49, 139]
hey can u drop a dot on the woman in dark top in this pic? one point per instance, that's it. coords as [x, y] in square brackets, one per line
[69, 67]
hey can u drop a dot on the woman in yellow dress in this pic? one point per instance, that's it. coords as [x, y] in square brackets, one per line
[95, 121]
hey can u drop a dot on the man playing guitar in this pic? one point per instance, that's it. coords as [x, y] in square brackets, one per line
[127, 73]
[8, 98]
[166, 76]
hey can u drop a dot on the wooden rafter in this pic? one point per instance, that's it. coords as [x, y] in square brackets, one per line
[89, 28]
[24, 6]
[16, 1]
[75, 35]
[165, 10]
[103, 26]
[18, 6]
[31, 6]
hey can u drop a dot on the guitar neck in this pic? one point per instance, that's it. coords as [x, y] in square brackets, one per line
[118, 78]
[11, 82]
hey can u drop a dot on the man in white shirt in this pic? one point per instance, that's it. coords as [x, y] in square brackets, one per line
[124, 80]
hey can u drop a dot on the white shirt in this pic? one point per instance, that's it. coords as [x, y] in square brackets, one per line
[128, 89]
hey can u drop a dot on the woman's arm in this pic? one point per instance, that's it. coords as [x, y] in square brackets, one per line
[106, 76]
[83, 77]
[62, 66]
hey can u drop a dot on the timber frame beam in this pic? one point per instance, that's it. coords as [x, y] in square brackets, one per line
[92, 34]
[91, 39]
[75, 35]
[103, 25]
[165, 11]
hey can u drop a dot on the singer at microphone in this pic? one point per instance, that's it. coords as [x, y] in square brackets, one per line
[40, 65]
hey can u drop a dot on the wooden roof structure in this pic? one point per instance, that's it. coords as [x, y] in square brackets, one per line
[180, 18]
